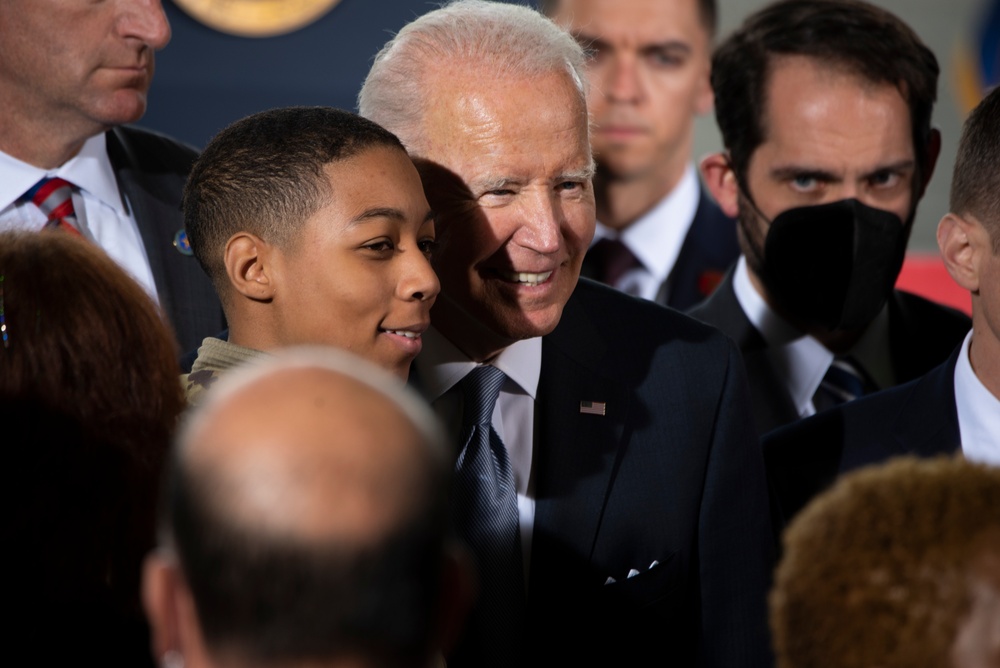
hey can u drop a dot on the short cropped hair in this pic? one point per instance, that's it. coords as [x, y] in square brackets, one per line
[876, 571]
[276, 597]
[975, 184]
[707, 13]
[264, 174]
[851, 35]
[495, 39]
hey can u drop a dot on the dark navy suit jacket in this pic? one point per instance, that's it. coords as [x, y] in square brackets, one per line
[709, 249]
[921, 336]
[672, 474]
[151, 170]
[918, 418]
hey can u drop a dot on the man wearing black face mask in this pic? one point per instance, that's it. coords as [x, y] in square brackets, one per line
[825, 110]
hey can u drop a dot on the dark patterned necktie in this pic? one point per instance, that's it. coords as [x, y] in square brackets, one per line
[55, 199]
[612, 259]
[844, 381]
[485, 510]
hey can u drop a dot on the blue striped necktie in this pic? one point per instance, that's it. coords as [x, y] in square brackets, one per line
[844, 381]
[485, 510]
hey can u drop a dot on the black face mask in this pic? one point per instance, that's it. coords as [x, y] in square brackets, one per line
[832, 265]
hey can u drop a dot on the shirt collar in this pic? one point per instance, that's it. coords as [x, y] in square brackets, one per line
[801, 359]
[978, 412]
[89, 170]
[441, 365]
[656, 238]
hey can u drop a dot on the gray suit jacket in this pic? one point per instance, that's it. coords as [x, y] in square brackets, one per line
[151, 170]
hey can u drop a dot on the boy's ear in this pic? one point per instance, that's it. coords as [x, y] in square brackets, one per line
[248, 260]
[720, 180]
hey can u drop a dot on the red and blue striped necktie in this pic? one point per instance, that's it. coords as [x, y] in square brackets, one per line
[54, 196]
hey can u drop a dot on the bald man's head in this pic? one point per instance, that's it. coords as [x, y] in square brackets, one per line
[307, 510]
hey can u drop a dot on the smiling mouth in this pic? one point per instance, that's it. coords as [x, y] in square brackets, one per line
[403, 332]
[525, 278]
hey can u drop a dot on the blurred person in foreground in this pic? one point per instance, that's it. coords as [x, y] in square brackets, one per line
[659, 233]
[305, 523]
[825, 112]
[956, 406]
[88, 402]
[312, 224]
[897, 566]
[613, 496]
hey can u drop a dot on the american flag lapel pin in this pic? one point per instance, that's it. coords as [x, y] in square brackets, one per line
[593, 407]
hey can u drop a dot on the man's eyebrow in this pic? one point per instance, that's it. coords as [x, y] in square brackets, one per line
[900, 166]
[488, 183]
[579, 174]
[672, 45]
[784, 173]
[593, 42]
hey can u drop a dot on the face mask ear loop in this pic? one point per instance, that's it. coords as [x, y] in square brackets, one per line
[744, 190]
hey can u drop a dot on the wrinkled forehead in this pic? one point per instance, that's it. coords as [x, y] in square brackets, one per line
[487, 116]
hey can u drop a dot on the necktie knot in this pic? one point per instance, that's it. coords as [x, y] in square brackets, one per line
[844, 381]
[54, 197]
[612, 259]
[480, 389]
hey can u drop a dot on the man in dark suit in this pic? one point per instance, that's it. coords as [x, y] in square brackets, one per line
[829, 147]
[957, 405]
[65, 163]
[612, 494]
[659, 234]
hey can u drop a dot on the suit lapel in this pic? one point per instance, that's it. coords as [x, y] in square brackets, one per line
[929, 418]
[708, 251]
[139, 193]
[577, 455]
[772, 405]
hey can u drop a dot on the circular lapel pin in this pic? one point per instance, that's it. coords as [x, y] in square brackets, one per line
[181, 242]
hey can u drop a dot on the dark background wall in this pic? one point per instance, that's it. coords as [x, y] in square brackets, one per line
[206, 79]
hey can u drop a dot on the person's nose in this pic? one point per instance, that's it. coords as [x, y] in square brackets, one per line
[541, 224]
[418, 281]
[145, 21]
[623, 84]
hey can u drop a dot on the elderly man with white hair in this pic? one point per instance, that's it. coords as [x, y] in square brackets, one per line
[609, 482]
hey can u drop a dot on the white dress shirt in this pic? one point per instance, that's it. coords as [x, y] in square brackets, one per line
[801, 360]
[441, 366]
[978, 412]
[657, 237]
[103, 215]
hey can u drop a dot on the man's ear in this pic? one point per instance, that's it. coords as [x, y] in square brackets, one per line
[176, 638]
[933, 151]
[961, 242]
[248, 260]
[159, 599]
[720, 180]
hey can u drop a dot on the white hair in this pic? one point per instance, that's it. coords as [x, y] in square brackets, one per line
[338, 362]
[495, 39]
